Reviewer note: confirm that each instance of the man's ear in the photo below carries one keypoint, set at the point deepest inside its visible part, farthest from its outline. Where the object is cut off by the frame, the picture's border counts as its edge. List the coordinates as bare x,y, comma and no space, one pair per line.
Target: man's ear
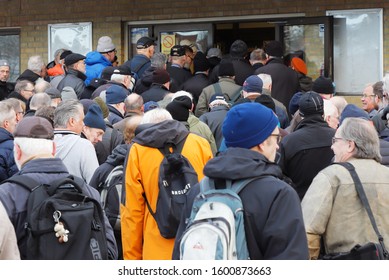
6,124
18,152
351,146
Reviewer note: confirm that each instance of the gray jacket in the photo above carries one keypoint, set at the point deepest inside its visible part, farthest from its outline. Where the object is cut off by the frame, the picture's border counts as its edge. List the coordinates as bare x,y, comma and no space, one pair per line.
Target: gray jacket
14,198
228,87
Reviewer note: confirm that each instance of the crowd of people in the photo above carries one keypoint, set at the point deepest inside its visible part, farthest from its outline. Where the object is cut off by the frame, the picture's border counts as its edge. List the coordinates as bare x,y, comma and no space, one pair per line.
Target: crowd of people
243,114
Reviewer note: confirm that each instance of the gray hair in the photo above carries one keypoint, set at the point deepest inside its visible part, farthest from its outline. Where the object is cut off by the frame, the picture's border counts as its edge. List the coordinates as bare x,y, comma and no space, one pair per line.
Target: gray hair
158,60
22,85
15,103
365,137
258,54
58,53
41,85
65,110
7,112
156,115
39,100
133,102
35,63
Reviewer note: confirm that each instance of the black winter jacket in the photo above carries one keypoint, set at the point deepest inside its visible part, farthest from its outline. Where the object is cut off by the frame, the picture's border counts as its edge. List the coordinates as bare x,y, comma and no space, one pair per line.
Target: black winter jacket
285,82
306,151
271,206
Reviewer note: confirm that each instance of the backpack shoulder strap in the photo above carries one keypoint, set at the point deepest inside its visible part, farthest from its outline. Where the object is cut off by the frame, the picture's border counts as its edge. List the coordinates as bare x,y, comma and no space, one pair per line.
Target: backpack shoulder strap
239,185
236,95
206,184
22,180
217,88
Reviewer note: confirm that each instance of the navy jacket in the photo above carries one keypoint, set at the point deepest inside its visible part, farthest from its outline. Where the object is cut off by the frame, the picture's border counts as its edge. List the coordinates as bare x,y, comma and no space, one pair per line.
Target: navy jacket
7,162
138,64
271,206
114,115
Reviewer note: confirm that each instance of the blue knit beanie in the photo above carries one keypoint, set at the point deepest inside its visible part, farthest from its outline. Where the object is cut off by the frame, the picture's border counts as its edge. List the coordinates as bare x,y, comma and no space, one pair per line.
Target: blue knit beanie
247,125
94,117
115,94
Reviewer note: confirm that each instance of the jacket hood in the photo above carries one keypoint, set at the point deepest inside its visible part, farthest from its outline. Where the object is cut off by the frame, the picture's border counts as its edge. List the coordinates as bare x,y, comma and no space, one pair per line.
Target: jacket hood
239,163
65,140
157,135
118,155
96,58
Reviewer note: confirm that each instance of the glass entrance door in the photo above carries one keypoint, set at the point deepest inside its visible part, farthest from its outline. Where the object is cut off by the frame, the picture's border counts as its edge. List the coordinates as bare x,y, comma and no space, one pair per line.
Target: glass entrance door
310,38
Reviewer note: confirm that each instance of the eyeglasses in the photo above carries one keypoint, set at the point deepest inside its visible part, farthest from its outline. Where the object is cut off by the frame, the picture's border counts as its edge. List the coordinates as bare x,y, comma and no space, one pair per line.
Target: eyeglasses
334,139
278,137
367,95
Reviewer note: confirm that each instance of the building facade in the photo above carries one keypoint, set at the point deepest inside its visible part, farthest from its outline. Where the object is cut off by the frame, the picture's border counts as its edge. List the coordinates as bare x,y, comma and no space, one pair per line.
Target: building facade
345,40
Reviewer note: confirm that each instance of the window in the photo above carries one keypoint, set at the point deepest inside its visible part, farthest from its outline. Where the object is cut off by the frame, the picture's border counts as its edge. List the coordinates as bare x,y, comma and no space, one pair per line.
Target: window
10,51
358,49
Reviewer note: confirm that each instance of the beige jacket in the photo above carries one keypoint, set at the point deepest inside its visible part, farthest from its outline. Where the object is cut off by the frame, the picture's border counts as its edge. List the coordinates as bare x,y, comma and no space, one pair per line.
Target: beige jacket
343,221
8,245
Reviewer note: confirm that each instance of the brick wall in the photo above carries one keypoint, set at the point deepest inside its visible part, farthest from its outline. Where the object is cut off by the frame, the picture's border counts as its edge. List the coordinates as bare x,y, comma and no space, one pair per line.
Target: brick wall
33,16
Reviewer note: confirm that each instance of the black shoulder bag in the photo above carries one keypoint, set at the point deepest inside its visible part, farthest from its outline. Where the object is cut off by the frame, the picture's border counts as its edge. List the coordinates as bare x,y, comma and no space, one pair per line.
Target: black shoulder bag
370,250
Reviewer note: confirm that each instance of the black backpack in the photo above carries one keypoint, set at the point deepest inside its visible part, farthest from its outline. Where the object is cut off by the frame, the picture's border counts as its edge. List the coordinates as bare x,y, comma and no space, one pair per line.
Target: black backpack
62,222
176,177
112,193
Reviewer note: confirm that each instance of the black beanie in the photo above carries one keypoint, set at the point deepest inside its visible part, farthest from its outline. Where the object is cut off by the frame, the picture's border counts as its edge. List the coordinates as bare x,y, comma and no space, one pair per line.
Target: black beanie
200,62
311,103
238,49
160,76
323,85
226,69
179,108
274,48
267,101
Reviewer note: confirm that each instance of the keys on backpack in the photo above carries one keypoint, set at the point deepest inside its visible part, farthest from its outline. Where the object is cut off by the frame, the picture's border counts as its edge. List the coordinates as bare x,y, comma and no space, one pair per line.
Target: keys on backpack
59,228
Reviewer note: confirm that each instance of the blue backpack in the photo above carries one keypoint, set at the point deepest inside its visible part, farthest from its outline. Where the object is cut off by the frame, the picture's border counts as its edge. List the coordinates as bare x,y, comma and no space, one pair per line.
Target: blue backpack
215,230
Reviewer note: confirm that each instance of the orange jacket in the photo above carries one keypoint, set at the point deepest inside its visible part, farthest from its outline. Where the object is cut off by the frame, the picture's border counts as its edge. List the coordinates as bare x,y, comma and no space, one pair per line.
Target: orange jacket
55,71
140,235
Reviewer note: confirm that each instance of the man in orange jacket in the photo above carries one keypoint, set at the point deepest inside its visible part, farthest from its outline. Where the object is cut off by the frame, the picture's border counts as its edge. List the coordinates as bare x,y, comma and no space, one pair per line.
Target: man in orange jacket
140,234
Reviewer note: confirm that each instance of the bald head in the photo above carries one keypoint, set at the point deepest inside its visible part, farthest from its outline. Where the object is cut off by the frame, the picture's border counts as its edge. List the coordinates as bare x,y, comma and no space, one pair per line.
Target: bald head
133,102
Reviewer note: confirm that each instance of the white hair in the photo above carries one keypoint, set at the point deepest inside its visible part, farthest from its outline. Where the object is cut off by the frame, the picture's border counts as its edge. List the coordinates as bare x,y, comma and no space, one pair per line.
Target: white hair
266,80
35,63
156,115
329,108
32,147
182,93
119,78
